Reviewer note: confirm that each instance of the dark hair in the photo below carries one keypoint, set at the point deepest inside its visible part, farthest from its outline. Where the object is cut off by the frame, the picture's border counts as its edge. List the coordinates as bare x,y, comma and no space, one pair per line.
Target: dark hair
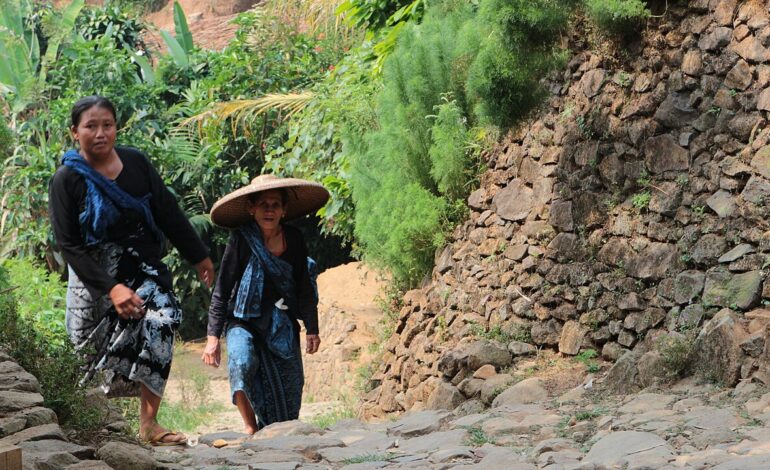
84,104
282,191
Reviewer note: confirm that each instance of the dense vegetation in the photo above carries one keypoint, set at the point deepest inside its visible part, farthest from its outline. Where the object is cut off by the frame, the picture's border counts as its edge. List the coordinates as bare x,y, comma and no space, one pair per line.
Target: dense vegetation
390,109
36,342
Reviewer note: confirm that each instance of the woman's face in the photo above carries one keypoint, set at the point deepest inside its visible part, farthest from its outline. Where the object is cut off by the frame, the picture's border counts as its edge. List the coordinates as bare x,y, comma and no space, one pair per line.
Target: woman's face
95,132
268,209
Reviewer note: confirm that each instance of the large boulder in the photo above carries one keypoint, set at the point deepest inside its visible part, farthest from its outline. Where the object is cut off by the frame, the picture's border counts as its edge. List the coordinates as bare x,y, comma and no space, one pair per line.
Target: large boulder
663,153
515,201
622,378
530,390
718,350
572,335
654,261
125,456
444,397
471,356
738,291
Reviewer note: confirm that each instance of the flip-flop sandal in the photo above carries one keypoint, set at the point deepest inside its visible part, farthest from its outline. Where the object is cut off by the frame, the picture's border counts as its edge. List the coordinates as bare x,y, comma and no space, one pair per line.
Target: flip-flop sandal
157,440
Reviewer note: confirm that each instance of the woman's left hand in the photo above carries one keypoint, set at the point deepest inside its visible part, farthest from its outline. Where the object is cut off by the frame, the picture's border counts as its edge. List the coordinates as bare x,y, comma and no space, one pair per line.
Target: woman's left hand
206,271
313,342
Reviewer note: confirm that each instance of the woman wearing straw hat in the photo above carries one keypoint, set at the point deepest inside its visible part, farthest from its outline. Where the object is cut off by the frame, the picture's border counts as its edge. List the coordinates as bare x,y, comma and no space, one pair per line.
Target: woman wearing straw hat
264,287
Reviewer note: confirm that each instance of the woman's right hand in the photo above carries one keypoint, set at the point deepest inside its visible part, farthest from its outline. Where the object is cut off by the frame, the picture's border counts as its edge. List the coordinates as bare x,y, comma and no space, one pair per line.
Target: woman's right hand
127,303
212,352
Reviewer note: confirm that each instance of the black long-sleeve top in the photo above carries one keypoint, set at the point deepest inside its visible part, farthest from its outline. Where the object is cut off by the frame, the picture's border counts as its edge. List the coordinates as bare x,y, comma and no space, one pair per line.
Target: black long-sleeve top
234,261
67,195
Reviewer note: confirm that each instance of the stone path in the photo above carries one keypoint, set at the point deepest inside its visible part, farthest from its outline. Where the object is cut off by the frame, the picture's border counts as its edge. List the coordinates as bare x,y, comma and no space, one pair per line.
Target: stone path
689,426
686,426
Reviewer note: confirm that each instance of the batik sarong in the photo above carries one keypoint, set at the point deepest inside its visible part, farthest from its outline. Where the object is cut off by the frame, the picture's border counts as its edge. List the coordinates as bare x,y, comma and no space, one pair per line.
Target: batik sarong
273,385
122,353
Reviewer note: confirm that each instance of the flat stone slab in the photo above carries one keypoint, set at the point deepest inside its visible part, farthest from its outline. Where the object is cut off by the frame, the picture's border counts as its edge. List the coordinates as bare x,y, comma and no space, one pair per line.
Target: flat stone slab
469,420
266,457
229,436
11,401
713,418
90,465
624,447
417,424
452,454
736,253
648,402
35,433
125,456
286,428
338,455
57,446
527,391
434,442
754,462
363,439
294,443
365,466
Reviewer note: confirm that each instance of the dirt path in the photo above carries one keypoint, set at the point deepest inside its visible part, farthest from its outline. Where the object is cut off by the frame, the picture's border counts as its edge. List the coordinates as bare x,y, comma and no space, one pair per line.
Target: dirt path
348,316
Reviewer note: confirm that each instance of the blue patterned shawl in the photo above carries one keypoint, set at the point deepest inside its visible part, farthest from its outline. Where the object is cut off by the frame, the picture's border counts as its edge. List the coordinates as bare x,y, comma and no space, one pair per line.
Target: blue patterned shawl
249,298
104,202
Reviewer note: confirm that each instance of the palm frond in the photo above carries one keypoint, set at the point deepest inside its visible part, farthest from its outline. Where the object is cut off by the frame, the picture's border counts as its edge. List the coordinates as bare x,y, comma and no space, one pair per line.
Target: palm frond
244,112
184,144
201,223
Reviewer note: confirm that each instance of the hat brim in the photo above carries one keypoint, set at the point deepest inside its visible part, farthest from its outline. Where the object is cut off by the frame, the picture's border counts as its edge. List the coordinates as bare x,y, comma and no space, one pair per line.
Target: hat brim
305,197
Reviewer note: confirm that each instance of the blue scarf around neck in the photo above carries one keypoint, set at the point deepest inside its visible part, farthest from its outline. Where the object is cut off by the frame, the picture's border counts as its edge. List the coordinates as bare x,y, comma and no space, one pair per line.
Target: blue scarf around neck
104,202
248,301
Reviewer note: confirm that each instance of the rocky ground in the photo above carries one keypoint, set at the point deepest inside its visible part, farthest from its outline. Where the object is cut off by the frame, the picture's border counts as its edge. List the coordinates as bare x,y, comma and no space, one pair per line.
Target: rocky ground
688,425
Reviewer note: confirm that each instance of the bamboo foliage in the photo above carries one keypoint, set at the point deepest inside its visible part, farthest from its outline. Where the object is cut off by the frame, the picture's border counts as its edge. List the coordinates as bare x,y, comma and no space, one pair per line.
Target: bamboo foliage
241,113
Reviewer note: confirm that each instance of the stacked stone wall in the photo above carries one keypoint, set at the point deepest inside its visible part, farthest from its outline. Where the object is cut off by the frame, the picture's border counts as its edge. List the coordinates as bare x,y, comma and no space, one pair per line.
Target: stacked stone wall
634,207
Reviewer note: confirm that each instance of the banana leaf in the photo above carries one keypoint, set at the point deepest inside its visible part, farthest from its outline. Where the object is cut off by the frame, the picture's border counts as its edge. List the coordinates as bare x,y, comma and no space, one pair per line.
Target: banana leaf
175,49
183,34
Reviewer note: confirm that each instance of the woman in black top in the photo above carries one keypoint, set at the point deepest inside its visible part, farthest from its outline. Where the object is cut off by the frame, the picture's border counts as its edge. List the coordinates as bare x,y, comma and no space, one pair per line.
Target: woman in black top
110,211
264,287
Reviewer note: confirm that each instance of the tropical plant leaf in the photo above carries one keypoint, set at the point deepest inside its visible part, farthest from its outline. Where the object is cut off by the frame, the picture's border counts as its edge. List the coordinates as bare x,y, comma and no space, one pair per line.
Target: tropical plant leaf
241,112
183,34
175,49
148,73
201,223
69,16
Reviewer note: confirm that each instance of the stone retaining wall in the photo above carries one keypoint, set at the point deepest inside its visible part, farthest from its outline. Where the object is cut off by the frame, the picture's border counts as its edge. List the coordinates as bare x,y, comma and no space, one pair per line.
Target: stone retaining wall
633,210
26,423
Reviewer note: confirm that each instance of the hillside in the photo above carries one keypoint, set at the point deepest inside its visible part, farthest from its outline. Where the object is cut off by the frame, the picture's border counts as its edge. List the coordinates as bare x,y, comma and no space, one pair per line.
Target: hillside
628,219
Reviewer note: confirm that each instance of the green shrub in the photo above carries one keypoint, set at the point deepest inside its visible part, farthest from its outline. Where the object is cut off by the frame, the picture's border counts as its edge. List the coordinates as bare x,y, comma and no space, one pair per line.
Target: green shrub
41,297
6,140
460,69
55,364
401,226
515,42
450,165
373,14
617,16
401,214
676,351
111,21
641,200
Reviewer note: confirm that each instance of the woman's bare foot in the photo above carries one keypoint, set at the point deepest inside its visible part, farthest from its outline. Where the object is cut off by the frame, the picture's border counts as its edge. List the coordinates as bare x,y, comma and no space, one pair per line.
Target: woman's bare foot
250,430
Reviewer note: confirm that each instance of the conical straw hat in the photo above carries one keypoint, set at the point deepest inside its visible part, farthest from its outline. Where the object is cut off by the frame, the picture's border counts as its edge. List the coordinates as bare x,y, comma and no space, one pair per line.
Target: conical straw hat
305,197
